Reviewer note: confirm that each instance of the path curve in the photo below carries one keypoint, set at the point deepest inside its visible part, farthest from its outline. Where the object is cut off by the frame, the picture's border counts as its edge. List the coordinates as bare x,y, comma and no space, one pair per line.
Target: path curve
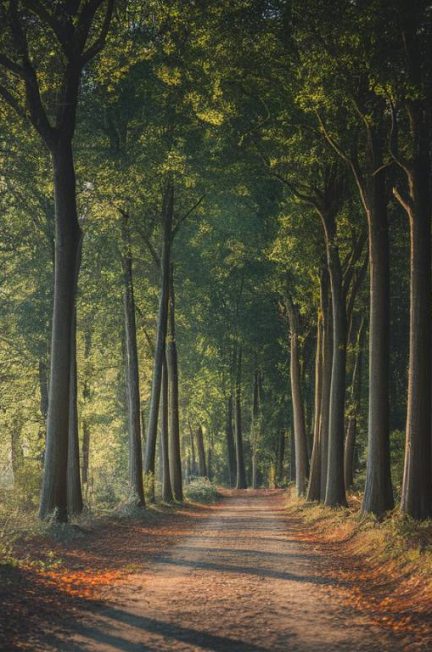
240,582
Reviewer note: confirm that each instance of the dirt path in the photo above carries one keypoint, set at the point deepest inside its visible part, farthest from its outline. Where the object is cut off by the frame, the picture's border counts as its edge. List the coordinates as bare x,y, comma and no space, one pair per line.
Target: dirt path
240,581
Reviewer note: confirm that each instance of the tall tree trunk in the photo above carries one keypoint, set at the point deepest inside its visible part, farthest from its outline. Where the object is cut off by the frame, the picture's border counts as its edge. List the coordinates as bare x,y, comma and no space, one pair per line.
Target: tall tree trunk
335,486
132,372
201,453
172,365
301,457
378,495
292,455
67,242
74,493
327,352
193,455
241,471
43,403
150,451
85,422
230,442
17,453
280,458
255,427
416,498
351,434
167,494
314,489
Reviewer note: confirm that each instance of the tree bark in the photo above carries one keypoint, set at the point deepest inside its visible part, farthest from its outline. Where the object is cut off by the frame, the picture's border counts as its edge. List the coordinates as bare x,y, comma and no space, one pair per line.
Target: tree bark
230,442
416,500
132,372
68,235
378,495
327,352
255,427
201,453
301,457
314,488
335,486
74,493
85,422
17,453
167,494
241,471
351,434
280,458
150,451
174,422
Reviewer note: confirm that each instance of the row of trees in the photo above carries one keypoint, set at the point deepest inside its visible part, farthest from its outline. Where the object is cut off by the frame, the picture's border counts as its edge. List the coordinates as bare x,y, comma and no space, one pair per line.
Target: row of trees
227,177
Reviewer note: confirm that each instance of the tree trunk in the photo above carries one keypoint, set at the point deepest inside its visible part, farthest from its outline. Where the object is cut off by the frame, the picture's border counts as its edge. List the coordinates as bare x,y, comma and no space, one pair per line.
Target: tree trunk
150,451
85,423
74,493
43,388
314,489
335,485
301,457
167,494
201,453
416,498
172,364
255,427
230,442
378,495
280,458
327,352
351,434
194,462
17,454
292,455
67,241
132,373
241,471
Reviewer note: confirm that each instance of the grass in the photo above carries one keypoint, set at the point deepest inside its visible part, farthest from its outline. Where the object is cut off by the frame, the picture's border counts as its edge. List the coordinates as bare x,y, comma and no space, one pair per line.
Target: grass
396,540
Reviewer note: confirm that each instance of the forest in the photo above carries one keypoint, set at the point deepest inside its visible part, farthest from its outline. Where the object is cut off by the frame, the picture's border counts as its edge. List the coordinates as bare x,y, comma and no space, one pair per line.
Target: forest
215,277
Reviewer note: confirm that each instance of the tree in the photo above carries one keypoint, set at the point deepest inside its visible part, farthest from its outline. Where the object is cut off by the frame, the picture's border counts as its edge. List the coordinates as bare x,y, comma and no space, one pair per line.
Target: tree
73,28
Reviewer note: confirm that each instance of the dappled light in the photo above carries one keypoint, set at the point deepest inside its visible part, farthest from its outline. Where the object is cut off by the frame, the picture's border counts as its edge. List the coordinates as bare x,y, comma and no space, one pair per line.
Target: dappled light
215,325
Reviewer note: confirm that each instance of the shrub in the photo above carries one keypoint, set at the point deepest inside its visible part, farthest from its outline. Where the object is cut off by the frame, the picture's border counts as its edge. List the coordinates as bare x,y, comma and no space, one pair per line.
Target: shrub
201,490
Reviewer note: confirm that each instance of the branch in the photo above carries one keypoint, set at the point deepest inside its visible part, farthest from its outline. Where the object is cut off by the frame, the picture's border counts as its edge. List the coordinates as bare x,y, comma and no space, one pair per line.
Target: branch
99,43
38,115
150,246
10,99
12,66
185,216
394,150
404,200
49,19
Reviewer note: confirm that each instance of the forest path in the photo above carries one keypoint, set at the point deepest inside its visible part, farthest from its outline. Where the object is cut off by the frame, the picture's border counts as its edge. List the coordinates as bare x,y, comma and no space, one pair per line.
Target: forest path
241,581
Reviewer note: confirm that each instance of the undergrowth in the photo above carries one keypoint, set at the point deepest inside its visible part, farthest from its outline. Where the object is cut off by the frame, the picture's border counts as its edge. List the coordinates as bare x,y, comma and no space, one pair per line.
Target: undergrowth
201,490
395,537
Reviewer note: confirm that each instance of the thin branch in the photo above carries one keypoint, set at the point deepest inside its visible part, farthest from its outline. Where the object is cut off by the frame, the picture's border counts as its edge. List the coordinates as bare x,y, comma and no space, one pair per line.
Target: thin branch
404,200
14,67
11,100
150,246
185,216
394,150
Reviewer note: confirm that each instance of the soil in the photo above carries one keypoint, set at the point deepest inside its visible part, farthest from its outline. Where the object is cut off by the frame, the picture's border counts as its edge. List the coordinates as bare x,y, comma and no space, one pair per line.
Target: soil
238,575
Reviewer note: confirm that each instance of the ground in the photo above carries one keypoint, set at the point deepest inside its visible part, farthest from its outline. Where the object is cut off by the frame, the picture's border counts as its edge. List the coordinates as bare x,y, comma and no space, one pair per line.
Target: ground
243,574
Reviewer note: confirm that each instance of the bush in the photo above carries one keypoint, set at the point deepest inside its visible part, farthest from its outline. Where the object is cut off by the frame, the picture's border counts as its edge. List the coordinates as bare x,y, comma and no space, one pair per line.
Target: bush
201,490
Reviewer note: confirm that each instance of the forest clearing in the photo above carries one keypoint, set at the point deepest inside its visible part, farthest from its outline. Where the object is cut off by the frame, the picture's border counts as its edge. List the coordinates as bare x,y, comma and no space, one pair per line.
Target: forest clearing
215,324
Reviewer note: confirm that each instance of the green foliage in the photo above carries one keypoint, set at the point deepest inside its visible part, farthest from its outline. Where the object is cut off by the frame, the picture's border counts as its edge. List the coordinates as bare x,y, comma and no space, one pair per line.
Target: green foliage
201,490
